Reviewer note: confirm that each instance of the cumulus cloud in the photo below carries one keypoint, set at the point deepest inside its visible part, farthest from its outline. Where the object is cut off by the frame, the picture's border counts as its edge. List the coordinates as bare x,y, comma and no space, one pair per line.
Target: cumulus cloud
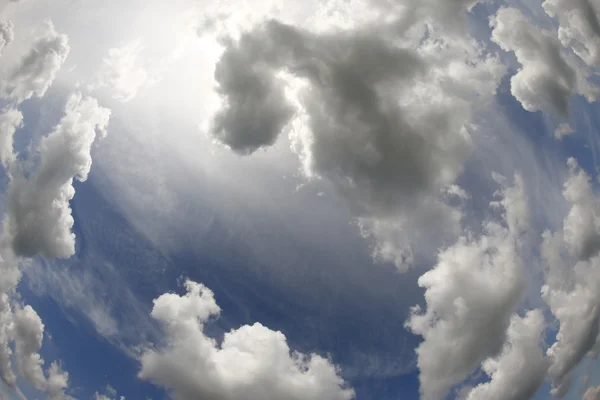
387,125
6,34
38,221
38,214
22,327
581,226
252,362
98,396
37,69
592,393
121,73
37,199
572,287
579,27
563,130
110,394
471,295
520,369
6,332
29,334
10,120
548,77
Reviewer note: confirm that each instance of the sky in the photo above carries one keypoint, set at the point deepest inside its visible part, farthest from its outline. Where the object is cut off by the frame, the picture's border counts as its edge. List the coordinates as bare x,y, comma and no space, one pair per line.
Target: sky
299,200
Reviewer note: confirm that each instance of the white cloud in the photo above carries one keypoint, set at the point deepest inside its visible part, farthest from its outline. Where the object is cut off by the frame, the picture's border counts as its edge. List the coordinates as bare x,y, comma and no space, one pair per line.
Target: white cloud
121,73
579,27
29,333
572,287
520,369
22,327
563,130
471,295
37,69
110,394
38,214
581,229
252,362
38,221
10,120
6,333
548,77
98,396
6,34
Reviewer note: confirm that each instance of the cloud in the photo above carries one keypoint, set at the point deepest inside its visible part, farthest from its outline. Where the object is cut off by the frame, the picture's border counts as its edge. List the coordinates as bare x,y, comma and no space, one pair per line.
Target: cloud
10,120
386,125
252,362
548,77
4,3
471,295
121,73
572,287
38,214
6,34
22,327
592,393
110,394
579,27
563,130
28,336
38,221
37,199
581,226
521,368
37,69
6,332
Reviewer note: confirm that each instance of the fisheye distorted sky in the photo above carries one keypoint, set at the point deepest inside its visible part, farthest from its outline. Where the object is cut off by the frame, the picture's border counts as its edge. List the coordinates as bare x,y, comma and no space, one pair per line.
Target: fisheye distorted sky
300,200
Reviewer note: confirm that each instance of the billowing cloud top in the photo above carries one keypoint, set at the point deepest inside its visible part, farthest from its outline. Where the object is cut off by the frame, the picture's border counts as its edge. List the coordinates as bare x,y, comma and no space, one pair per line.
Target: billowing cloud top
252,362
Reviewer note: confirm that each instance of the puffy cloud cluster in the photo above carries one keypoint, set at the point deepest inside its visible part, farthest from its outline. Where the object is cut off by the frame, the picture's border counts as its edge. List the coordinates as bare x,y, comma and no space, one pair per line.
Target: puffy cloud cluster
110,394
37,215
38,221
10,120
37,69
39,218
548,76
252,362
579,27
32,77
471,296
22,327
387,124
6,34
521,367
592,393
572,287
121,73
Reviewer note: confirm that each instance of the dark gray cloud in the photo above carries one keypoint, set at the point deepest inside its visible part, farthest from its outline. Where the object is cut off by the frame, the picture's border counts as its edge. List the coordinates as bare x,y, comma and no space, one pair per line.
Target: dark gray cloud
385,124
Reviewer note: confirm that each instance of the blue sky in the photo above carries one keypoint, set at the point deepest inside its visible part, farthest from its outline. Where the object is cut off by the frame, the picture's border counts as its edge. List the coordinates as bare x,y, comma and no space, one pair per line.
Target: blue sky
290,200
